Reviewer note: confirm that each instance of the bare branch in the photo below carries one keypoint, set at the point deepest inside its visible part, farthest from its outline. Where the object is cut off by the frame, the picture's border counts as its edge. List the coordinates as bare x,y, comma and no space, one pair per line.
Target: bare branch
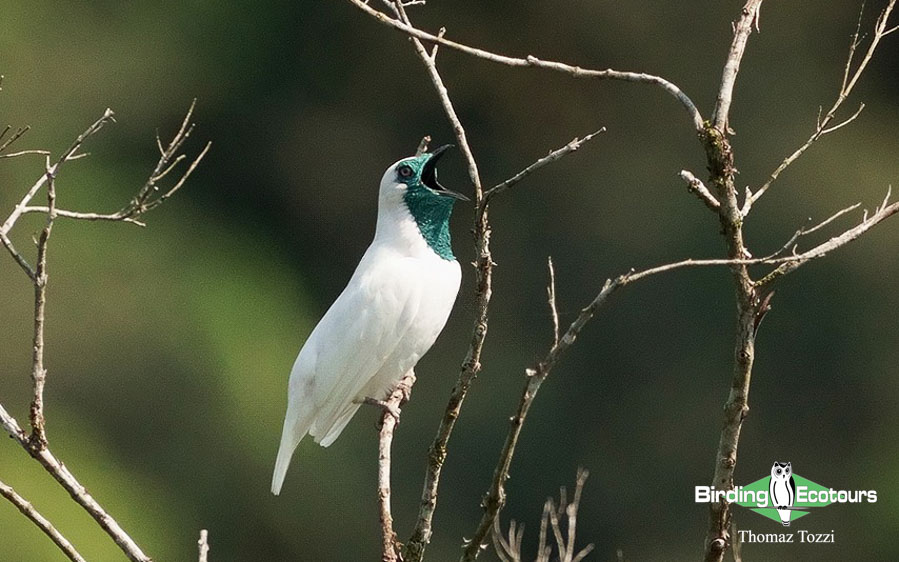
551,297
78,492
557,154
404,26
203,546
54,170
113,217
24,152
423,145
720,163
143,201
804,231
791,263
23,263
697,188
42,522
390,548
36,443
495,498
38,371
190,169
850,79
845,122
742,30
553,515
15,136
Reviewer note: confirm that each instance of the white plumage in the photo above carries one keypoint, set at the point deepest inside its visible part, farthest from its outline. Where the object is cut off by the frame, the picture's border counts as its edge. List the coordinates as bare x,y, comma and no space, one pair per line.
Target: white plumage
388,316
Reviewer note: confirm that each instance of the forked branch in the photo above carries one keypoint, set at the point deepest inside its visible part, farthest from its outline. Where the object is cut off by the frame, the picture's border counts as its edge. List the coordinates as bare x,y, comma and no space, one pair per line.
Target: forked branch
78,492
850,79
151,194
403,25
561,519
148,197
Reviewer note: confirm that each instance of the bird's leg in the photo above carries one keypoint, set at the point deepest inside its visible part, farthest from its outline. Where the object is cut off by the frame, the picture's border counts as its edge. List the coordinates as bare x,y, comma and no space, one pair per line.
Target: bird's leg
397,397
384,405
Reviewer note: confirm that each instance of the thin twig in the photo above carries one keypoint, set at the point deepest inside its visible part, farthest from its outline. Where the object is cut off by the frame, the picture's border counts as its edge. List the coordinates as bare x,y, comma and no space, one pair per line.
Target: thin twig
850,79
54,170
572,146
203,546
42,522
423,145
64,213
791,263
24,152
805,231
534,62
509,549
15,136
143,201
551,299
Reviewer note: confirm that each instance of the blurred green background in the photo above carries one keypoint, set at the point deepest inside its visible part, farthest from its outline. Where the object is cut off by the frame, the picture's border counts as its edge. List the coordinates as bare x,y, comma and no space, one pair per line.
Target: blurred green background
169,347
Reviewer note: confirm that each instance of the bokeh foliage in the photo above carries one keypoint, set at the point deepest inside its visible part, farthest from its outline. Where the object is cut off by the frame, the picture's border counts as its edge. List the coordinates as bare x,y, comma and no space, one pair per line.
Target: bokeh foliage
169,347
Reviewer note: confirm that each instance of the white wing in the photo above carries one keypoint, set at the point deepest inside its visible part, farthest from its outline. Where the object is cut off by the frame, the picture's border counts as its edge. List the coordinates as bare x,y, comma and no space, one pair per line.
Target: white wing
347,349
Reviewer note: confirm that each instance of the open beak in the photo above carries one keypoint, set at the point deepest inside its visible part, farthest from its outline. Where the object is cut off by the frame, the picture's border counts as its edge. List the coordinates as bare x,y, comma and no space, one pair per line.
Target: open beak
429,174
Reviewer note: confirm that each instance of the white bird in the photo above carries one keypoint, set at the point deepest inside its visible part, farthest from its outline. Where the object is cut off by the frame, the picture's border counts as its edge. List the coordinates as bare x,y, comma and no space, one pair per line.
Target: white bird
390,313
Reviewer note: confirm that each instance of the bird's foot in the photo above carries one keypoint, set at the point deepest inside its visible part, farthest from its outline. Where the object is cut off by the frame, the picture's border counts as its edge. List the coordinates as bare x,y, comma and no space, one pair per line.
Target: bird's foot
404,387
384,406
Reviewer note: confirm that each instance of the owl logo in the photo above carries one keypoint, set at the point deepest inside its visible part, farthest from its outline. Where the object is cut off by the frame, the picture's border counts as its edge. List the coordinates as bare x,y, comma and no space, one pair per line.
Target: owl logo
783,490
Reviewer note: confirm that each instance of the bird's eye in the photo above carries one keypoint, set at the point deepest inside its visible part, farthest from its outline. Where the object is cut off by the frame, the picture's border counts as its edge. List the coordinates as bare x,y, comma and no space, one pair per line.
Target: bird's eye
405,171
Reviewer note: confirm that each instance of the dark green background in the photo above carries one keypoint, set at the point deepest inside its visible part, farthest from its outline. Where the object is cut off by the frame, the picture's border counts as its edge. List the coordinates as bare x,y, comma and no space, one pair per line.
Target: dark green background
169,347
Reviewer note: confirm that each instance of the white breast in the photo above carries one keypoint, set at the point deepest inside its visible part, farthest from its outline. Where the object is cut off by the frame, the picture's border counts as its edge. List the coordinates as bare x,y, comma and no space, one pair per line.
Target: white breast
386,319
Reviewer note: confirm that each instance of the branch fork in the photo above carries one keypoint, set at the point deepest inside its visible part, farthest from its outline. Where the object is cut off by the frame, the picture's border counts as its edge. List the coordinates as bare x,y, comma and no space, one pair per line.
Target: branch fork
36,443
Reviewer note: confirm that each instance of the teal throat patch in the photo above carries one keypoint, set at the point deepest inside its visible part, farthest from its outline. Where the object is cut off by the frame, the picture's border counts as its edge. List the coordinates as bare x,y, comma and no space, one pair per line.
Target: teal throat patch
432,214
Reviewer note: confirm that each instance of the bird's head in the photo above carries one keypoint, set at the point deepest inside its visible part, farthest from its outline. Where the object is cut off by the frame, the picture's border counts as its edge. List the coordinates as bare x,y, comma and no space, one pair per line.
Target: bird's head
418,174
411,185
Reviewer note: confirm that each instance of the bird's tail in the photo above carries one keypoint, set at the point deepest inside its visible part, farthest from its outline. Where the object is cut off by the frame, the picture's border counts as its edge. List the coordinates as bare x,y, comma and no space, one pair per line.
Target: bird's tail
296,426
300,422
284,455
